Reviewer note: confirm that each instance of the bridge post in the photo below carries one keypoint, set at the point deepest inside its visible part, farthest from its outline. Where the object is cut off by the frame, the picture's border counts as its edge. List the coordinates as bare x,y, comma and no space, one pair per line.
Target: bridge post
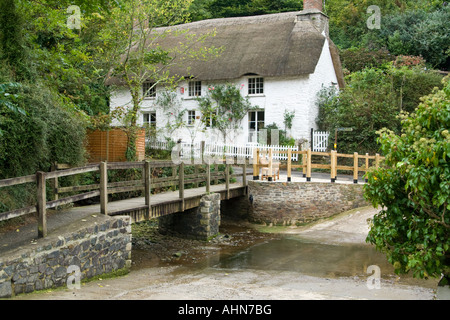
148,188
255,164
244,173
181,184
104,188
41,204
227,179
289,169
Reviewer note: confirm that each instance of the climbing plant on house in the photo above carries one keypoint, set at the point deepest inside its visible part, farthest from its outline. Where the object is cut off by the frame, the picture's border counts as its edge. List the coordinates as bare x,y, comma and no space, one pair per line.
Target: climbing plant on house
223,108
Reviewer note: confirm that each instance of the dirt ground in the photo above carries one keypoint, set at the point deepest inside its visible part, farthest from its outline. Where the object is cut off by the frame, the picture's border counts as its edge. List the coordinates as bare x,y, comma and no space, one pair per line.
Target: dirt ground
170,268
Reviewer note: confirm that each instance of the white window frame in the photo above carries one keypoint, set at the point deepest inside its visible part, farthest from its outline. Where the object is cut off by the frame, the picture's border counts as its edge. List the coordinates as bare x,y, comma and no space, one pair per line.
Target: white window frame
194,89
149,90
151,122
191,114
255,86
256,122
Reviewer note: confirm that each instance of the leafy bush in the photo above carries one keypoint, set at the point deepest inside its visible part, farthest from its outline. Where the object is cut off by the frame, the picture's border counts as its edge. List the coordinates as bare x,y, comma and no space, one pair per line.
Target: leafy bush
413,190
49,131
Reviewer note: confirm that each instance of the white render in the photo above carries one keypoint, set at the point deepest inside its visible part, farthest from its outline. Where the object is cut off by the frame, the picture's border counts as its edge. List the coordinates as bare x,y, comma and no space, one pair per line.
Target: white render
292,94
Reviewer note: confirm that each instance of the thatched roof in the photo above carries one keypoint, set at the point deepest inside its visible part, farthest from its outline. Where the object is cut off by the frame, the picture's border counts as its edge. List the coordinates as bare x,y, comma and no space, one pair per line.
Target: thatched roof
267,45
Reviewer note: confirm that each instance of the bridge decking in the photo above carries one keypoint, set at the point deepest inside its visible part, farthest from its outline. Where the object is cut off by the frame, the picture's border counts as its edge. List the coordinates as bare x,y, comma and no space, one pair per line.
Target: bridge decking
162,203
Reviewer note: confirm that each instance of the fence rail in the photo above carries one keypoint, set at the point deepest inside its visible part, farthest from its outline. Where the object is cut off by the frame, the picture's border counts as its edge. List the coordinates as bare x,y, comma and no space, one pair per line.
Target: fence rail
147,183
307,165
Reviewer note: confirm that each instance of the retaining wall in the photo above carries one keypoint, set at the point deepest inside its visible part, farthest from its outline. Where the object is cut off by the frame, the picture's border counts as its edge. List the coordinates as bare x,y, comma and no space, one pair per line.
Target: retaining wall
100,245
301,202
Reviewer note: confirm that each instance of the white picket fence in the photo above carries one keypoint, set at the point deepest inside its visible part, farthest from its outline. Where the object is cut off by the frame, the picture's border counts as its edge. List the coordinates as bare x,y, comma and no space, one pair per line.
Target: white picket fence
217,150
320,141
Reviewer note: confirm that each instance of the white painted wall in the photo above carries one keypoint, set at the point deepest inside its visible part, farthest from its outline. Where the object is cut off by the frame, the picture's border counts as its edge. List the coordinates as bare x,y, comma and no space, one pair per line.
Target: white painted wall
292,94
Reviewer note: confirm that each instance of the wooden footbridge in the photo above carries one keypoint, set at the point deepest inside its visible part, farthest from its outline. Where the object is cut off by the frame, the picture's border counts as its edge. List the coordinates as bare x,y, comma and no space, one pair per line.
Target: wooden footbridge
162,183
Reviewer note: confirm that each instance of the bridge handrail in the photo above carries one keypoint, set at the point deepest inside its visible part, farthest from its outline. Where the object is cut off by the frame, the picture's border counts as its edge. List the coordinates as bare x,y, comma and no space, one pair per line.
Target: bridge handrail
104,188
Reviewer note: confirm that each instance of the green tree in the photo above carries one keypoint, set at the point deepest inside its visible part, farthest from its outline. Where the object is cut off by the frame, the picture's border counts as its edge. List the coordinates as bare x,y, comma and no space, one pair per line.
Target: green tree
417,33
371,101
131,44
11,37
413,190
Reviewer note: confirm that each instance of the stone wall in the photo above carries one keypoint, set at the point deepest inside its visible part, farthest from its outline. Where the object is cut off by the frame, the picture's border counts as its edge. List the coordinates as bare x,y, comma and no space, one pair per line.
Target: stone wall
199,223
301,202
101,245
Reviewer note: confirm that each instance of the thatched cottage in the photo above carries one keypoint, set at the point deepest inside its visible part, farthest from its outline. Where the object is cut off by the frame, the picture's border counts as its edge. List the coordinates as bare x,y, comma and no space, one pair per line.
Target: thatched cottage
280,60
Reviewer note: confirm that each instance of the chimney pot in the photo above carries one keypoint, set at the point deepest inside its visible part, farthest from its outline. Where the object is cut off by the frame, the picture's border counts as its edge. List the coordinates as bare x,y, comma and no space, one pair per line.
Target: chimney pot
312,4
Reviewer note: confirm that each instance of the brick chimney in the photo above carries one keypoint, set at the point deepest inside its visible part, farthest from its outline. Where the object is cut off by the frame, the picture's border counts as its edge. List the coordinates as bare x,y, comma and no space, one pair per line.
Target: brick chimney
313,4
312,14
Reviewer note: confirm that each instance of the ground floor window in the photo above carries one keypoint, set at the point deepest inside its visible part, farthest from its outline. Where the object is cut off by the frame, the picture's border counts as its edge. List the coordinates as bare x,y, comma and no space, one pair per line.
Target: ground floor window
255,124
191,117
150,119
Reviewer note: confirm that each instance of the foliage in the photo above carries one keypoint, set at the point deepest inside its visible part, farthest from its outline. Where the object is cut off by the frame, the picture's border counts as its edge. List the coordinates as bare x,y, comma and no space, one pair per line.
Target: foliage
356,59
417,33
131,45
50,131
366,105
413,190
11,37
224,107
206,9
371,101
288,117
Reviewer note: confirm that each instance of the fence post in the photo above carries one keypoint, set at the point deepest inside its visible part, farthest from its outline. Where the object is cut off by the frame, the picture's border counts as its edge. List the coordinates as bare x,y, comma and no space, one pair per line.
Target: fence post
355,167
181,185
333,166
41,204
255,164
104,188
304,163
289,165
55,182
244,173
308,165
148,188
208,177
367,167
377,160
270,174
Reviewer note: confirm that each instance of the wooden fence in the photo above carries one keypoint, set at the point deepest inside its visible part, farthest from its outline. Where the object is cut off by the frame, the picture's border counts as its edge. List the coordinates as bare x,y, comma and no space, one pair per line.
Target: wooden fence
148,182
306,164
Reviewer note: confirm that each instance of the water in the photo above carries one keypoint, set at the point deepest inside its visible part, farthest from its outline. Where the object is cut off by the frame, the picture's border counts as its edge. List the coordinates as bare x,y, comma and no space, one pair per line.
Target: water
310,258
